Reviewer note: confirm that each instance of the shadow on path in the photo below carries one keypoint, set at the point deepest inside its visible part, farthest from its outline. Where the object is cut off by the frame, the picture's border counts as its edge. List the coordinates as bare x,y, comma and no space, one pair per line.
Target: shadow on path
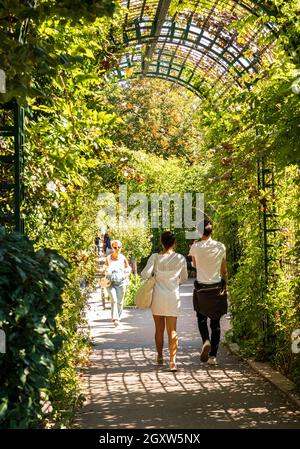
125,389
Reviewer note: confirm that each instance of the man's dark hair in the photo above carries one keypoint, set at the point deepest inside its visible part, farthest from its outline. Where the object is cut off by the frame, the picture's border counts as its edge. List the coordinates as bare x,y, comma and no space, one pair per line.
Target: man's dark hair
207,228
167,239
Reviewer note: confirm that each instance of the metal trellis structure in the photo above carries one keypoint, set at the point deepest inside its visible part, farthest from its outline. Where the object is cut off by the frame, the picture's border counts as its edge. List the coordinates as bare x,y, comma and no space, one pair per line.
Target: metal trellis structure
11,152
11,159
196,45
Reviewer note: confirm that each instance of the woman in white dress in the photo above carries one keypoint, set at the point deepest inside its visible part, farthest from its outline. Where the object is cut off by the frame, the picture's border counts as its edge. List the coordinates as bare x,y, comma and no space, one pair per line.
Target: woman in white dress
169,269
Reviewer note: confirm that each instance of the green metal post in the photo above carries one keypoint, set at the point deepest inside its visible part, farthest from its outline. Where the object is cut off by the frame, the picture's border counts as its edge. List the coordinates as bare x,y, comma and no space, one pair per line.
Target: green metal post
11,160
19,144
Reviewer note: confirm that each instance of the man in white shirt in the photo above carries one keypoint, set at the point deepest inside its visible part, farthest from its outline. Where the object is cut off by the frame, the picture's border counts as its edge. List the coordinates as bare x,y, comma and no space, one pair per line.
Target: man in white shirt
209,259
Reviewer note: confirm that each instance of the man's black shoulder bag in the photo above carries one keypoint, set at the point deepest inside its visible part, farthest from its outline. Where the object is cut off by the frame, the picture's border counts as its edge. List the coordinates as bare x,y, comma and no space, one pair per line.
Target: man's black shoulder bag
210,299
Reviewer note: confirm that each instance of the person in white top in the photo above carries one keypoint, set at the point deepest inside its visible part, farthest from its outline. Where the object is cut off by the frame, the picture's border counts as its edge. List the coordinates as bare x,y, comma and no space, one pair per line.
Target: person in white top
117,271
209,259
169,269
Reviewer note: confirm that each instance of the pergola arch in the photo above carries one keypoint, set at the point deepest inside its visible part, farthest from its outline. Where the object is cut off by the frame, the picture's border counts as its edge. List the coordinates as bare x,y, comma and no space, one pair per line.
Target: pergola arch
195,42
169,79
179,64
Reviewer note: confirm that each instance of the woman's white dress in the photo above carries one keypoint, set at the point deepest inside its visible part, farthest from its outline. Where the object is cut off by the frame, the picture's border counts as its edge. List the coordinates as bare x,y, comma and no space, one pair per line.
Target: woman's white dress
170,270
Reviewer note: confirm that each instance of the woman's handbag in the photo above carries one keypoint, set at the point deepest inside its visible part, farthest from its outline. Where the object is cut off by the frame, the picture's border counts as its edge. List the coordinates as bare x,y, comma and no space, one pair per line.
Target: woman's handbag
144,294
116,277
210,300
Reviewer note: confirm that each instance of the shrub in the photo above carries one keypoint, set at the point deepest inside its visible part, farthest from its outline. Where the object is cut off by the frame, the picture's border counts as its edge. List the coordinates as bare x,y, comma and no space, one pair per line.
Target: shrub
31,285
135,282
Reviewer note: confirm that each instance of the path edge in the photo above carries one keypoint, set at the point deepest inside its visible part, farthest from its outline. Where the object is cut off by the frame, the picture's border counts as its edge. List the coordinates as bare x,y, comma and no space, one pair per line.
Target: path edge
265,370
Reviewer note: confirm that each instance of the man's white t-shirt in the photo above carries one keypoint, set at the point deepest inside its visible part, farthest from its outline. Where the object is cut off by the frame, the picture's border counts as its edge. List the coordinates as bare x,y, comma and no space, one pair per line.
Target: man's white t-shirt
208,255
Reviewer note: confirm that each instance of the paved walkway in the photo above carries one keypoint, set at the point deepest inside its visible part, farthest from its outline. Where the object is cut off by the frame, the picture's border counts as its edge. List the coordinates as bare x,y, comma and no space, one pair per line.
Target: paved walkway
125,389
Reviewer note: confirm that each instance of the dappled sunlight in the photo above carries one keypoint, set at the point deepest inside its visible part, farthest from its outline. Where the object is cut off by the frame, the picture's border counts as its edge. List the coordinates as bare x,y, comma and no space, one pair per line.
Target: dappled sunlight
125,387
203,398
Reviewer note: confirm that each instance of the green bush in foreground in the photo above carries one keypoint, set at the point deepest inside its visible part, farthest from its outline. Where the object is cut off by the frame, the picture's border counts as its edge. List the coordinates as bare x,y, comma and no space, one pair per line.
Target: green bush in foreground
31,285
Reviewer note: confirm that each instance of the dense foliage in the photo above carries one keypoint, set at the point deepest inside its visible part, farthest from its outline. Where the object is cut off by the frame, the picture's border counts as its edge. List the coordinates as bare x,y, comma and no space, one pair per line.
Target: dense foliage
31,284
60,201
160,117
41,51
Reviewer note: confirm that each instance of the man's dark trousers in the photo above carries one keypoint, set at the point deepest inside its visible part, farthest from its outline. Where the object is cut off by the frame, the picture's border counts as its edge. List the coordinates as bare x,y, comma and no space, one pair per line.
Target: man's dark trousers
215,332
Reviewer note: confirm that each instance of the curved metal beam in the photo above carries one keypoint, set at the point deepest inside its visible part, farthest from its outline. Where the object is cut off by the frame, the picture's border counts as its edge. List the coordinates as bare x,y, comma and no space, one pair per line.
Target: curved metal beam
160,17
171,79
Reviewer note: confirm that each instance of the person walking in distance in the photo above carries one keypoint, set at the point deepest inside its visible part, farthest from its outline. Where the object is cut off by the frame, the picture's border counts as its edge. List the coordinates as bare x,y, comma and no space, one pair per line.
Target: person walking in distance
210,299
107,248
117,272
169,269
97,242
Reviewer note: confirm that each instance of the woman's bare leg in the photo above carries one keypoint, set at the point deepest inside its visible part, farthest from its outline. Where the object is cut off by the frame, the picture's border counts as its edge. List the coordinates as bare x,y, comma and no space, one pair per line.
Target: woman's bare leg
171,322
159,334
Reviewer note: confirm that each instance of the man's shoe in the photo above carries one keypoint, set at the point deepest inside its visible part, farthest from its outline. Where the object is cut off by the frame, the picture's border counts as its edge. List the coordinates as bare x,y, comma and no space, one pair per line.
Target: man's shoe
205,351
212,361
